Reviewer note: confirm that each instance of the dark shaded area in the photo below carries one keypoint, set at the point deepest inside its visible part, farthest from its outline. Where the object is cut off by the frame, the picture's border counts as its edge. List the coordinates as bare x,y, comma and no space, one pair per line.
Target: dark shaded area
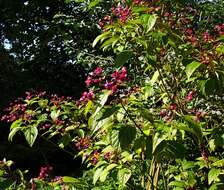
41,154
39,44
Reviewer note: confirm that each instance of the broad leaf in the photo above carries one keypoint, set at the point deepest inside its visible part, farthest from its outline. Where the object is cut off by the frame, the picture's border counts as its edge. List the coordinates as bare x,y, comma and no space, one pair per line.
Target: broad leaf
14,128
30,134
126,136
123,176
191,68
213,175
55,114
180,184
97,174
123,57
13,132
105,172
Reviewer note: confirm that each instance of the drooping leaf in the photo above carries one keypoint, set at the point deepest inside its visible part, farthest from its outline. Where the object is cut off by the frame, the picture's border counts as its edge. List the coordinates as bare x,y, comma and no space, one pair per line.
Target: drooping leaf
105,172
97,174
101,38
13,132
195,128
30,134
109,42
14,128
149,146
191,68
217,186
107,112
123,176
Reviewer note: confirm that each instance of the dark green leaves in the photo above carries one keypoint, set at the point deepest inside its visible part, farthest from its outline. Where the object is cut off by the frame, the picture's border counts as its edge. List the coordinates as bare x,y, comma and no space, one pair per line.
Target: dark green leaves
122,58
126,136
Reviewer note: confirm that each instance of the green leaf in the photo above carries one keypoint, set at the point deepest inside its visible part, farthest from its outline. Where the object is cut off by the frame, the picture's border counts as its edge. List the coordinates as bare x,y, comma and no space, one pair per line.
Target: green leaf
192,127
139,143
212,144
149,147
177,184
154,78
145,113
105,172
16,124
123,176
109,111
14,128
149,20
168,149
122,58
114,139
126,136
109,42
103,97
101,37
191,68
220,49
30,134
43,103
105,123
217,186
55,114
13,132
88,107
140,9
67,179
219,163
94,4
213,175
97,174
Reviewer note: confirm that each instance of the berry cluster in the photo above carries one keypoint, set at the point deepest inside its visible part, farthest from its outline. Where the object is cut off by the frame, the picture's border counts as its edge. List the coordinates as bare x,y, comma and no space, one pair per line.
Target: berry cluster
44,172
15,111
190,96
98,78
105,21
137,2
94,158
107,156
86,96
94,77
219,28
83,143
122,12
